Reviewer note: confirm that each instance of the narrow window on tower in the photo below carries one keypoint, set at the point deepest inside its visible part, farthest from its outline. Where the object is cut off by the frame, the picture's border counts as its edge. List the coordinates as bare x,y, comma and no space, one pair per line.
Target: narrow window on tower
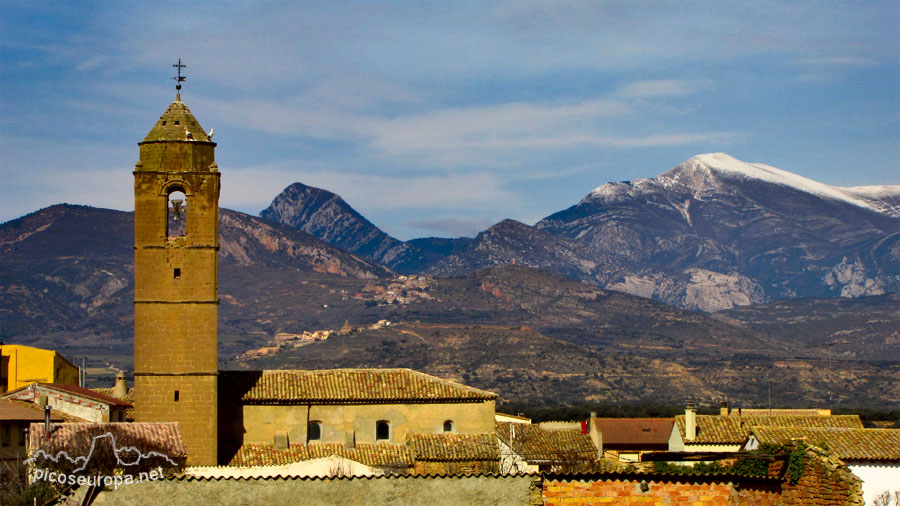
176,219
176,395
177,273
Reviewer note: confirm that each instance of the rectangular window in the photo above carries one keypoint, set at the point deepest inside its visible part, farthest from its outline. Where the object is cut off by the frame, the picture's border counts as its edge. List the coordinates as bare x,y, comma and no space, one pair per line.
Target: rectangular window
382,430
314,431
177,273
176,395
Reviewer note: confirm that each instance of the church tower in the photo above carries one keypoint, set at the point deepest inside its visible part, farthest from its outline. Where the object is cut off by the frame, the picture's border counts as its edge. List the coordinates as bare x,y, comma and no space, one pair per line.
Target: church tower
176,207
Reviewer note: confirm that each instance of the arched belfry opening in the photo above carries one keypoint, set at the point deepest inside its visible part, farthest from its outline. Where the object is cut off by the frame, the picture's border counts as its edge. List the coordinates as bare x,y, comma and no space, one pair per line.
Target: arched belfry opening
176,216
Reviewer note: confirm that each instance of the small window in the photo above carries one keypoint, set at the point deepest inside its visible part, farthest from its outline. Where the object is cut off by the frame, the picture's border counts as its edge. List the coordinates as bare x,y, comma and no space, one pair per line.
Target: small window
177,273
382,430
176,395
163,123
177,122
314,431
448,425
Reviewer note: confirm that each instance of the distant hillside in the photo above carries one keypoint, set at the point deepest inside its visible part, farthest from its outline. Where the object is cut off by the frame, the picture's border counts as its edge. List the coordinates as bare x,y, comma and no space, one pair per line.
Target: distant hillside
71,268
65,283
866,328
527,367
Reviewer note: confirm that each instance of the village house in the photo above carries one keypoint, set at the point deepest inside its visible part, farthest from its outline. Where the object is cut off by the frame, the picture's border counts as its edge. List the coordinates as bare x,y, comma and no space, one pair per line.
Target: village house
74,401
22,365
729,431
378,417
530,448
628,439
15,417
871,454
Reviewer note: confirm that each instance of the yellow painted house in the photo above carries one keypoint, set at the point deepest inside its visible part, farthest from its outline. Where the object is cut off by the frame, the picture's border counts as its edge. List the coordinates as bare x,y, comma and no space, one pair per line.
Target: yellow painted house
23,365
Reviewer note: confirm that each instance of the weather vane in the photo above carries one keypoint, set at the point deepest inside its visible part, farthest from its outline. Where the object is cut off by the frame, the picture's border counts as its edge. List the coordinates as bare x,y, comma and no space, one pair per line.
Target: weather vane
179,78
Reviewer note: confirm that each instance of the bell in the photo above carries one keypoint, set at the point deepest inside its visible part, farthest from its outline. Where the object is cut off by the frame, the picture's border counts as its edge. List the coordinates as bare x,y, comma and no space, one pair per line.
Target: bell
176,209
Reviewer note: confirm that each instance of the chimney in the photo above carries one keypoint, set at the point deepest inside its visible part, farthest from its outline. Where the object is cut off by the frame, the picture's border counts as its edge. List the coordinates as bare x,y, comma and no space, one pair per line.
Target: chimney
690,422
723,408
596,435
121,388
46,420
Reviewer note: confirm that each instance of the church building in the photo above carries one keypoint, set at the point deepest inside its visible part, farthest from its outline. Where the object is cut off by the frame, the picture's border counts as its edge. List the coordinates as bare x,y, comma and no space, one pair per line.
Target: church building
279,414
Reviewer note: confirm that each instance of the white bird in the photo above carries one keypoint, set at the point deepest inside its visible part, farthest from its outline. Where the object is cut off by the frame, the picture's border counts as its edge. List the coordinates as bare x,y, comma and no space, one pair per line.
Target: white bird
188,134
211,132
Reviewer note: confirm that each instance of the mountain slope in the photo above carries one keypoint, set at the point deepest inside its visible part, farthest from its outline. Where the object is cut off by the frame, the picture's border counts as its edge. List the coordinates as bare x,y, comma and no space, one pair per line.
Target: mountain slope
63,267
728,233
327,216
711,234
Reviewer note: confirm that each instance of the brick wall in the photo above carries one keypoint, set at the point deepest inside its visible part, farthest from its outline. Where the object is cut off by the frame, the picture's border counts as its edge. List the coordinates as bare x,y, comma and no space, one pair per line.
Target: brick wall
825,481
659,492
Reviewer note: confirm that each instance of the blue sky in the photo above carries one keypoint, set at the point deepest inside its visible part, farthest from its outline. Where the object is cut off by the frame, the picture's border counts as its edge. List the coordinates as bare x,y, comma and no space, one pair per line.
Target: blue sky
442,118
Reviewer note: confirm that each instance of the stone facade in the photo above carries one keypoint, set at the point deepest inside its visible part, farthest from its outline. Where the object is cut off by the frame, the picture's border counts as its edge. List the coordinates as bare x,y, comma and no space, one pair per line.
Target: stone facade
176,290
348,423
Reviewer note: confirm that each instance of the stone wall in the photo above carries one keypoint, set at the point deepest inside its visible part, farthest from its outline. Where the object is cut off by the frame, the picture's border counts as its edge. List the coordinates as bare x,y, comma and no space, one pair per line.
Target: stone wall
824,482
345,423
387,491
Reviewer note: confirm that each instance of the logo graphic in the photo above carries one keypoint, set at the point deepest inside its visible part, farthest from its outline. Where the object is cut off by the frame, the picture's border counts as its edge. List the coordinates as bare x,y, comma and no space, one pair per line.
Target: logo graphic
126,456
87,458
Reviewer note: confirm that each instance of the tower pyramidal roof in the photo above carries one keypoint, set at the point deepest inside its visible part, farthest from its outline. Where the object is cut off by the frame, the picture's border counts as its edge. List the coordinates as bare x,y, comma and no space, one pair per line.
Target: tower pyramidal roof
177,124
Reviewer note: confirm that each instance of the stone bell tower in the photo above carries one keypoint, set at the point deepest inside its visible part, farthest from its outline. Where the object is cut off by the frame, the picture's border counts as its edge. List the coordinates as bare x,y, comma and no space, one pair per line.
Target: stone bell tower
176,199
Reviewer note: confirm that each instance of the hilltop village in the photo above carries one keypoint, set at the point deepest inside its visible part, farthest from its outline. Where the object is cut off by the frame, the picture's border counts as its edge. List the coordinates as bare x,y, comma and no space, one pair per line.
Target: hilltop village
188,433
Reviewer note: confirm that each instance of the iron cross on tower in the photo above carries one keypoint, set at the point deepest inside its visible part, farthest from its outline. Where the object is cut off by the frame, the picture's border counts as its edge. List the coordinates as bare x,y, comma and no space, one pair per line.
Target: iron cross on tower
179,78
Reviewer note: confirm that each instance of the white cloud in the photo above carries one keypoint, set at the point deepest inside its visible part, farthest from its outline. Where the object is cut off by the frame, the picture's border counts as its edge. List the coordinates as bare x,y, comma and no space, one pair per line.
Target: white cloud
255,187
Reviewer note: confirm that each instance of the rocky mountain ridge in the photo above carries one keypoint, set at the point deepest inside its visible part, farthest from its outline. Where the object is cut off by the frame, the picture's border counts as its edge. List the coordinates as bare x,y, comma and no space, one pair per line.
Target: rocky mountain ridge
710,234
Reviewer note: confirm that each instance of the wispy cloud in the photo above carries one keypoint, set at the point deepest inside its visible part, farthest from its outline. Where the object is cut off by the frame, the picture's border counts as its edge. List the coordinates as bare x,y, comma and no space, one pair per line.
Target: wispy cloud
255,187
451,226
850,61
665,88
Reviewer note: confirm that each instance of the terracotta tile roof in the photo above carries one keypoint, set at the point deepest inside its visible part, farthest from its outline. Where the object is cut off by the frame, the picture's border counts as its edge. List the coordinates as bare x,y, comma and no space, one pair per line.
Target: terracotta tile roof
165,437
85,392
535,444
781,412
717,429
350,386
453,447
129,398
846,444
370,454
11,410
635,432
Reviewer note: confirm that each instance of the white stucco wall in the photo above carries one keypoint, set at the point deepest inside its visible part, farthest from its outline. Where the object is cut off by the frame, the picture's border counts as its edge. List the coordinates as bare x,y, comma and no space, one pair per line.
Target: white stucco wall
876,477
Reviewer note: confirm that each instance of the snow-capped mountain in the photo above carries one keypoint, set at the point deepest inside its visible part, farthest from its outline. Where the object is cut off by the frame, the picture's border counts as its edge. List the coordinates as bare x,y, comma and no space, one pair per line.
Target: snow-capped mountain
710,234
714,233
